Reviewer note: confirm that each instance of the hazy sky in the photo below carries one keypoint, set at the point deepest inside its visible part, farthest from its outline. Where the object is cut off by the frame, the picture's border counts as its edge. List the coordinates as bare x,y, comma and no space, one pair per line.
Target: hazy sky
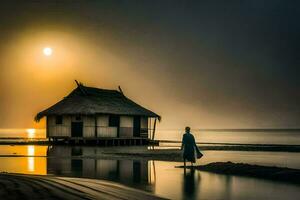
208,64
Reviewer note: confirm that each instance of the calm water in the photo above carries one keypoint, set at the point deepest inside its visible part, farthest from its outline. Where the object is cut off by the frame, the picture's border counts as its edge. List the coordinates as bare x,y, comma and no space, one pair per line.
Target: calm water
237,137
254,137
158,177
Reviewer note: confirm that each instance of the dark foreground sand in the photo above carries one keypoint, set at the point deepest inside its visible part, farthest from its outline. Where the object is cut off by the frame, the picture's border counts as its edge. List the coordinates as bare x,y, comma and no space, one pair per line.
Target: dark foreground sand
282,174
15,186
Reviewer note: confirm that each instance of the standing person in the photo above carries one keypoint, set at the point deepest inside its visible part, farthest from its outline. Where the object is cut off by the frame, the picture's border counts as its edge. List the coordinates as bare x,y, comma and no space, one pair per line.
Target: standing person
189,147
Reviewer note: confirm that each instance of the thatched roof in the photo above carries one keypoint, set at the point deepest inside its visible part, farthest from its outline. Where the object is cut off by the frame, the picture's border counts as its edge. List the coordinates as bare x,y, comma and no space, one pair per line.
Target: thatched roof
89,101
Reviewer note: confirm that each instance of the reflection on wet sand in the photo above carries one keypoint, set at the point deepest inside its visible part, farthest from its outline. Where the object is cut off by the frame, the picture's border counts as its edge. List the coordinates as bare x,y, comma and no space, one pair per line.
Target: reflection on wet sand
191,182
30,153
159,177
69,162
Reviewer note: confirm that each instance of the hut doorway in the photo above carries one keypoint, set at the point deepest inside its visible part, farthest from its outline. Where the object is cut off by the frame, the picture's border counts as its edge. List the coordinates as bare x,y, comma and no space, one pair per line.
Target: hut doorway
136,126
77,129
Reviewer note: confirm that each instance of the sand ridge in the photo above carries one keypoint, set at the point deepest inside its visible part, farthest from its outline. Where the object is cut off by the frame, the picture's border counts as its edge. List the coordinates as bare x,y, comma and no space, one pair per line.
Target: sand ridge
18,186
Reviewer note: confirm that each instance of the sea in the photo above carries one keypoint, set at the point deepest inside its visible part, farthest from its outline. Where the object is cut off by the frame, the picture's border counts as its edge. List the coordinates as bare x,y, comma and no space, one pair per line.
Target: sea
254,136
161,177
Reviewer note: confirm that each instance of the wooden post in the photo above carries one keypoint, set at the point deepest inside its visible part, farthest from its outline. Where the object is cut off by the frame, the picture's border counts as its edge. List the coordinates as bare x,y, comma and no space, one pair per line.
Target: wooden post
47,127
149,128
154,127
120,90
96,125
81,88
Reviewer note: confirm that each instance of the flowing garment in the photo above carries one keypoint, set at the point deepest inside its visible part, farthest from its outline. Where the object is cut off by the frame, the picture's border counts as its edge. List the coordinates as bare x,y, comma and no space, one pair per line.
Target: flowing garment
190,149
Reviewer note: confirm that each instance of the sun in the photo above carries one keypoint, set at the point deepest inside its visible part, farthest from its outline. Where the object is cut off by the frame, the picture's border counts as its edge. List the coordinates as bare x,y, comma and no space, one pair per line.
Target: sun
47,51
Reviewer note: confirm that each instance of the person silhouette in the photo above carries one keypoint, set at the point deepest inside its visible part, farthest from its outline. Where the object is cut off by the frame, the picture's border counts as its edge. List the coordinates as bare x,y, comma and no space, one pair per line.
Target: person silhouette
189,147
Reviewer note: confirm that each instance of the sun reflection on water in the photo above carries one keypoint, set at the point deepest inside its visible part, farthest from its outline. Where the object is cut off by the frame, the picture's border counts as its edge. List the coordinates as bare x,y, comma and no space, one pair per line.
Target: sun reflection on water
30,153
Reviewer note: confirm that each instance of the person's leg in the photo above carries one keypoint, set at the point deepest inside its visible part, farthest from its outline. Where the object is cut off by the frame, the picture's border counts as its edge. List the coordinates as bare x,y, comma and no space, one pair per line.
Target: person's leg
184,163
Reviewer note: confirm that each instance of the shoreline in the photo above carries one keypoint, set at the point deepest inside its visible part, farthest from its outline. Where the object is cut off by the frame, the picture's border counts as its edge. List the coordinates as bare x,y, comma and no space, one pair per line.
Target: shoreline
21,186
202,146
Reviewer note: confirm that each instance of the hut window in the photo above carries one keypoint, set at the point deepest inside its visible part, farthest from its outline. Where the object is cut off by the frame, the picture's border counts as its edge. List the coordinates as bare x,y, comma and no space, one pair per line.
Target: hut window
58,119
114,121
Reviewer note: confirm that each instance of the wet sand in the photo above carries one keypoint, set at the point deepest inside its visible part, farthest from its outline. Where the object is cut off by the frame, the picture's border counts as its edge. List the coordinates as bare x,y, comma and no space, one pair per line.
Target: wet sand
141,153
282,174
16,186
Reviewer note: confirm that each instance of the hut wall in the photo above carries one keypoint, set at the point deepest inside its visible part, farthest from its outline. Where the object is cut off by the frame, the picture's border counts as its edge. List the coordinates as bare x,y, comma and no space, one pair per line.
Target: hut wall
144,127
59,130
126,126
103,129
107,131
102,120
88,126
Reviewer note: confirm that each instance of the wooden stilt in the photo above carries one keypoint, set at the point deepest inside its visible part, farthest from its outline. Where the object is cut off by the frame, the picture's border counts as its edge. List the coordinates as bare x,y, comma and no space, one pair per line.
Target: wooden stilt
154,127
149,129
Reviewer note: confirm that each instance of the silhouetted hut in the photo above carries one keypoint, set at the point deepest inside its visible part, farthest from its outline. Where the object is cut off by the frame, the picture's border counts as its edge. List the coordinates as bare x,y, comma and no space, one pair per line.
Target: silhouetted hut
89,112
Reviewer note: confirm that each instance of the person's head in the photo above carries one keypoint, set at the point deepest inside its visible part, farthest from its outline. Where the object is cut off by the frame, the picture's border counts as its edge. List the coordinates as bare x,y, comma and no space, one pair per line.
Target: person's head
187,129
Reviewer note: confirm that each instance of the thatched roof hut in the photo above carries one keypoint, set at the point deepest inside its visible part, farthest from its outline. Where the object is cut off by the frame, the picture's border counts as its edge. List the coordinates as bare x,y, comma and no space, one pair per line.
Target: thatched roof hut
90,101
89,111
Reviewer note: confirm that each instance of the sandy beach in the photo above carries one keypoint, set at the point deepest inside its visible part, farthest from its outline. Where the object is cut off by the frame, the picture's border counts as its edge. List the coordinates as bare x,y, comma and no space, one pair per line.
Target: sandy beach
17,186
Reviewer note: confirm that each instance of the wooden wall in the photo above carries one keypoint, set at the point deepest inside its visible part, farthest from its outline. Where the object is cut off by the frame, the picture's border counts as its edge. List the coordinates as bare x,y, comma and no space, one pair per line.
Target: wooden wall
102,120
103,130
59,130
64,129
89,123
126,126
107,132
